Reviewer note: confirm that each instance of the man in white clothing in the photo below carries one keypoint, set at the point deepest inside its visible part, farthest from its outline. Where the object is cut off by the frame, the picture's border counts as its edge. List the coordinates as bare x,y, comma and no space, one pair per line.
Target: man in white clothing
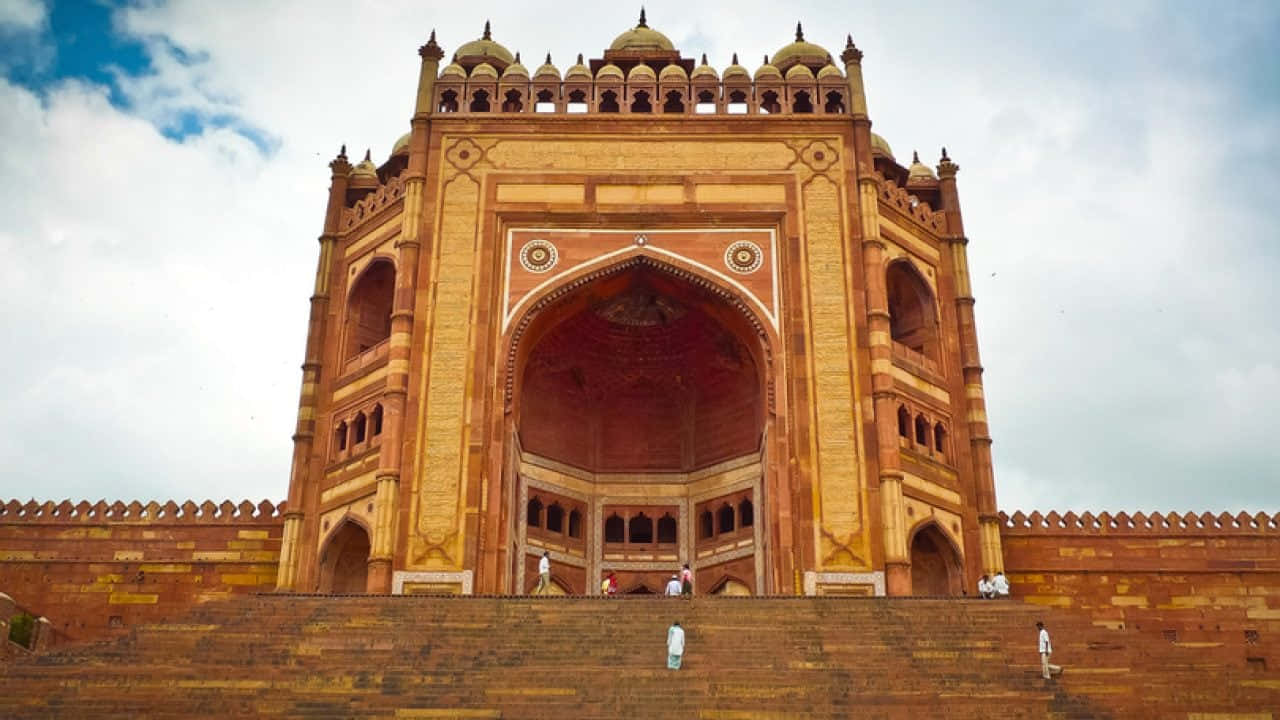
984,588
675,646
673,586
1046,649
1000,585
544,574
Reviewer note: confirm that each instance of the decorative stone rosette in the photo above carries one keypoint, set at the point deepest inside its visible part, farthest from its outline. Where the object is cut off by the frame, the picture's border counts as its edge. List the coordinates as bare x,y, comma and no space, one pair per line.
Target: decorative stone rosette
538,256
744,257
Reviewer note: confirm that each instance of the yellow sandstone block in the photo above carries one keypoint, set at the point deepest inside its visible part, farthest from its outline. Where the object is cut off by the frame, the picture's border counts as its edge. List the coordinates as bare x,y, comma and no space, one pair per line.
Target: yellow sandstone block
444,713
244,545
1129,600
247,579
1238,716
233,684
208,555
165,568
127,598
539,691
1049,600
128,555
17,554
252,534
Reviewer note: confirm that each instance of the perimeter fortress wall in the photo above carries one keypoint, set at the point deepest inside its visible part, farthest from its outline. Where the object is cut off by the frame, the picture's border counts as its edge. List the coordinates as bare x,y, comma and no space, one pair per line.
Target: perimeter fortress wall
95,570
1192,577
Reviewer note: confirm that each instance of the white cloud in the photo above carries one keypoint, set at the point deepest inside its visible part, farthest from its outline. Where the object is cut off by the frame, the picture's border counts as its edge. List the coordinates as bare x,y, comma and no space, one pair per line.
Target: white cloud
158,289
23,14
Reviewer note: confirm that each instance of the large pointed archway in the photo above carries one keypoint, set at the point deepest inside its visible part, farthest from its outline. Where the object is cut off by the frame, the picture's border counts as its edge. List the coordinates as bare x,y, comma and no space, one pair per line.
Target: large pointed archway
634,388
935,563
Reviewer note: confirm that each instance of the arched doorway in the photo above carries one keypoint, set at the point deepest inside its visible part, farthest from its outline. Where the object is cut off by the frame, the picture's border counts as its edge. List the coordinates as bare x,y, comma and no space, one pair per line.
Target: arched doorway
344,564
913,321
935,565
632,382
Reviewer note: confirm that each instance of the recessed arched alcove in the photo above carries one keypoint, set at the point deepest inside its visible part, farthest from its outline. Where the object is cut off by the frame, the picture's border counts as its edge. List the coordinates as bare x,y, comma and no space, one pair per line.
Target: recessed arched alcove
935,564
641,371
344,564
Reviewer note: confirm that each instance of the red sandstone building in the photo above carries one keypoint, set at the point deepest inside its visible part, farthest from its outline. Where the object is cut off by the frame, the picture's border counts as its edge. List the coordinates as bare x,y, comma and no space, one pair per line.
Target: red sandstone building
636,313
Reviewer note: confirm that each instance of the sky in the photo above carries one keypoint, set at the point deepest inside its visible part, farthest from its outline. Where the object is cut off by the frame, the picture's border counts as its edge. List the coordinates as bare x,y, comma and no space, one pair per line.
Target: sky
163,176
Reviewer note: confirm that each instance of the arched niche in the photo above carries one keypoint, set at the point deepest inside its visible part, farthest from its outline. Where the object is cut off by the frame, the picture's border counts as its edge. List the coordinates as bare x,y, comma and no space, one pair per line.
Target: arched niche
344,562
913,316
368,316
935,563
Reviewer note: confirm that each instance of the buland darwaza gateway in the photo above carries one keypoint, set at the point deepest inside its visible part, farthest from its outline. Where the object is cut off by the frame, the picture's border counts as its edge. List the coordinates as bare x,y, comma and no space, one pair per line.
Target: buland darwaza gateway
635,314
641,313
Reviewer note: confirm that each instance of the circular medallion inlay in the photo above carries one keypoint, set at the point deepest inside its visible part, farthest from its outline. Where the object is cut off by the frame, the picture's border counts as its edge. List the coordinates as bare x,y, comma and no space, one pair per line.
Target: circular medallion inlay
538,256
744,257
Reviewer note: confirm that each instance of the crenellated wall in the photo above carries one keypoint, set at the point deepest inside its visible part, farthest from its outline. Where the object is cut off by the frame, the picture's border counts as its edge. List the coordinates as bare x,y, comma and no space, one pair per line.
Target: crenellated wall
1190,576
95,569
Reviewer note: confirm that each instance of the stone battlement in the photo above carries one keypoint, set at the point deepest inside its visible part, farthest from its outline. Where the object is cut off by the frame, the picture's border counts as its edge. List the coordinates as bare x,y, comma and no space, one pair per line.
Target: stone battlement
1158,523
188,512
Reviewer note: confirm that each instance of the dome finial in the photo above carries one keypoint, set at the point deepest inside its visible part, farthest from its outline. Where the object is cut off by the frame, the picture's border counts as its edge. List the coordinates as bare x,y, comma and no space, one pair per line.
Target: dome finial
642,24
342,151
517,57
735,58
704,58
486,31
548,62
579,58
944,155
799,33
915,156
368,155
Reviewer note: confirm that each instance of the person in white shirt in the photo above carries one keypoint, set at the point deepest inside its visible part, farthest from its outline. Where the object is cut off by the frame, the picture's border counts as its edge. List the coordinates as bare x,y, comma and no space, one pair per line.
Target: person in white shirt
985,589
673,586
544,574
1046,649
1000,585
675,646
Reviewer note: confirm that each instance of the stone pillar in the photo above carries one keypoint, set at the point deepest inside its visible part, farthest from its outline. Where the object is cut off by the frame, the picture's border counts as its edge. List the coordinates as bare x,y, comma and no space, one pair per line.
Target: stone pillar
7,608
976,406
43,635
892,508
387,500
304,435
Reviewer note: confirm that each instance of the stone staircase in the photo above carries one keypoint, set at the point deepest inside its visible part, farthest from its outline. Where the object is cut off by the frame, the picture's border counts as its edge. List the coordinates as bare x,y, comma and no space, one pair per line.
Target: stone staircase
747,659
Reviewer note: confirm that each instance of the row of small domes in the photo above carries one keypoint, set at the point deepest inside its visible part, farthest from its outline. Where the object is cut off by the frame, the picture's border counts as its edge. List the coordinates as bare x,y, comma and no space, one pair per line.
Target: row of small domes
640,71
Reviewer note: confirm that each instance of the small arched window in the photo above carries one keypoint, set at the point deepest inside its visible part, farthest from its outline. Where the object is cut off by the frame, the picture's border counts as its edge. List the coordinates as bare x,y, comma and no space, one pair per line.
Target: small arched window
369,307
922,431
534,512
577,102
480,101
835,103
609,101
555,518
375,421
746,513
640,530
803,103
614,529
546,101
674,103
706,525
769,104
904,422
641,104
939,438
666,529
358,427
724,518
340,436
575,524
512,102
448,102
706,104
737,103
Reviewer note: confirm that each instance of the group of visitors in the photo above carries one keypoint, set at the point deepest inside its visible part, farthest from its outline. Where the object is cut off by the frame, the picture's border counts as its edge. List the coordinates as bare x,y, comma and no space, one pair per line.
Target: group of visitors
680,584
993,587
